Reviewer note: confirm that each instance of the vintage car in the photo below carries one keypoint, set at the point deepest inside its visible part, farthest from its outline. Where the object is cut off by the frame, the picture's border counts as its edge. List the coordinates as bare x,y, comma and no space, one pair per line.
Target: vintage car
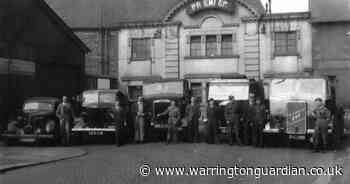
158,96
291,105
36,121
97,118
241,89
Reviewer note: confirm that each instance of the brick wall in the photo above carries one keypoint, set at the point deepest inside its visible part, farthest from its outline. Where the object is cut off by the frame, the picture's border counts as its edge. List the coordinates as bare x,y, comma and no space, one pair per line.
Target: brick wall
103,58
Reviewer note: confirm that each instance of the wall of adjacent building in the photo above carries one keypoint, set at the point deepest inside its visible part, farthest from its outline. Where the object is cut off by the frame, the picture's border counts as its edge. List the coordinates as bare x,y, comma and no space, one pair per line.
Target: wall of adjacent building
289,64
331,57
102,61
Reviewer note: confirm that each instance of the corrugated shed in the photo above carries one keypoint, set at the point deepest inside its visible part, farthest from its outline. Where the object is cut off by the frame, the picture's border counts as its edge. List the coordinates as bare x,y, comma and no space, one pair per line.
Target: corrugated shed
97,13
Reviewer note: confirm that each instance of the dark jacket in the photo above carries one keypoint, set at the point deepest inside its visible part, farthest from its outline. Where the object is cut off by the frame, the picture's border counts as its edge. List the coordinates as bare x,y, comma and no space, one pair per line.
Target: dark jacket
212,113
259,113
119,117
232,111
193,112
249,113
65,111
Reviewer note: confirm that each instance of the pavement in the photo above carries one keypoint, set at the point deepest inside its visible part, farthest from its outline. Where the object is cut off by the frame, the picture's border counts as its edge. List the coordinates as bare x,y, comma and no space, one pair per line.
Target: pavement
108,164
18,157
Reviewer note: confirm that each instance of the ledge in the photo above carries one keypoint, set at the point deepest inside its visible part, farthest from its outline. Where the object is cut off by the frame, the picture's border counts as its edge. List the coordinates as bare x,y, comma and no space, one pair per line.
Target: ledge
284,75
211,57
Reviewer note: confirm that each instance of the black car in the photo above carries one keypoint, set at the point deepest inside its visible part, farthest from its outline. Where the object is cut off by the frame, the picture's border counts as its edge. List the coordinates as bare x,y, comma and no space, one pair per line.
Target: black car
36,121
97,122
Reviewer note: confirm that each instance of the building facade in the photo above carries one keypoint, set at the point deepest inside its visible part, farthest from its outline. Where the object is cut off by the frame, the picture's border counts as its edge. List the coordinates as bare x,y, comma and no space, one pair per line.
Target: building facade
193,40
204,40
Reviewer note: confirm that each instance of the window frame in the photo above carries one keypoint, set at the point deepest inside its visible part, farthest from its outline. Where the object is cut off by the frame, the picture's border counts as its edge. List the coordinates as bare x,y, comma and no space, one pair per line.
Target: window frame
197,50
203,50
283,48
143,58
208,50
230,43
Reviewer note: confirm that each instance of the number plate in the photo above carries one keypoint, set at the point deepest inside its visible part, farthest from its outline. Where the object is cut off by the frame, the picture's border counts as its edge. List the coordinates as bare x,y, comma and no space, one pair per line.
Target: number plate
297,137
96,133
27,140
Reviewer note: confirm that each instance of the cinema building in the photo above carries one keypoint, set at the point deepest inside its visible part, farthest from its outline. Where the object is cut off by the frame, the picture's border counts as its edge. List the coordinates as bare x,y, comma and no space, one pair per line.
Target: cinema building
204,40
193,40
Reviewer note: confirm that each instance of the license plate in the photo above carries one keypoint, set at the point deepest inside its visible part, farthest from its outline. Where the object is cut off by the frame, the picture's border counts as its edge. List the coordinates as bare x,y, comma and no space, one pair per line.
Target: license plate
297,137
27,140
96,133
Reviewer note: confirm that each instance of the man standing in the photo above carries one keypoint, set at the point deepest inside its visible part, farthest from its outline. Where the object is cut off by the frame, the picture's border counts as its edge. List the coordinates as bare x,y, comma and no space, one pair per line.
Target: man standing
322,115
232,120
193,114
258,124
119,119
174,116
212,112
248,117
66,115
139,121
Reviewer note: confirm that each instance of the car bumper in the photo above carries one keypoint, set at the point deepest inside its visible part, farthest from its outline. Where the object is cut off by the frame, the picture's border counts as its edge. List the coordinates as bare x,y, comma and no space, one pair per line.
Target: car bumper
27,137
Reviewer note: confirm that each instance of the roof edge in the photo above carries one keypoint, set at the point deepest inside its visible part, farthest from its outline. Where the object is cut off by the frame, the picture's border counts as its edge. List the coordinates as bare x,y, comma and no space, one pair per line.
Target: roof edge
62,25
182,3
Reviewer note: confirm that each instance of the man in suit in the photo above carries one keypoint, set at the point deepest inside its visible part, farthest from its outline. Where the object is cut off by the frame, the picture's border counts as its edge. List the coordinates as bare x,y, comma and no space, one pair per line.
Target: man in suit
120,122
66,115
139,120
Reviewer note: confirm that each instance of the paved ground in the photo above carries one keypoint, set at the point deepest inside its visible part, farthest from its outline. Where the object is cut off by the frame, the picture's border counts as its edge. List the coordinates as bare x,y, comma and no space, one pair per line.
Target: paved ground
108,164
17,157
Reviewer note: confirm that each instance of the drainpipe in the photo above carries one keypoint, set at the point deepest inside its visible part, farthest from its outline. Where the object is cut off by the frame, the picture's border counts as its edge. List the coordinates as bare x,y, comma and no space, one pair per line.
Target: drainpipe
178,51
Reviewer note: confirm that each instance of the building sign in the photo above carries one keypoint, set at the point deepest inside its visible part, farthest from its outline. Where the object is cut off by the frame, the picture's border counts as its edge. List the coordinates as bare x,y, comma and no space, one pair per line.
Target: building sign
200,5
16,66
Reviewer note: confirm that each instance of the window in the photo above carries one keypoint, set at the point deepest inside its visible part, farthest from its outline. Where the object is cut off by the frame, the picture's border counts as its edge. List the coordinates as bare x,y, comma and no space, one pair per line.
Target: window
226,45
215,46
195,46
286,43
141,48
211,46
134,92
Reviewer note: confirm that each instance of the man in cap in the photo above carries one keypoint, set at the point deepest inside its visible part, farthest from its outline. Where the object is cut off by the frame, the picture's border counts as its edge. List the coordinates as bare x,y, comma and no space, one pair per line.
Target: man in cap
232,120
139,120
192,114
322,116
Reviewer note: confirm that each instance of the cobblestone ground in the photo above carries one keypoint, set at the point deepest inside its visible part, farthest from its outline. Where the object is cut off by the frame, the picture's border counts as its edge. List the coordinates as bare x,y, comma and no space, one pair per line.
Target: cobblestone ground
107,164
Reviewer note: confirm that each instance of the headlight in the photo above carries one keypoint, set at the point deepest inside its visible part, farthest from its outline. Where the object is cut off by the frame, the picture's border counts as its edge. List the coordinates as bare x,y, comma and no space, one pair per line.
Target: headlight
50,126
12,126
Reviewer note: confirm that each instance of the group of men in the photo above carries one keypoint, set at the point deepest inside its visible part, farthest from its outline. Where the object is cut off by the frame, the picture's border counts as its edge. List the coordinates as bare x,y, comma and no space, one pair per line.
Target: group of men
245,122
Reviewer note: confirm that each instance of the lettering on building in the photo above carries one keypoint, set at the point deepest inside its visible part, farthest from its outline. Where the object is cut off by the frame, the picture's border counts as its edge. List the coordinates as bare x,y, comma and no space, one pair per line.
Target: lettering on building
200,5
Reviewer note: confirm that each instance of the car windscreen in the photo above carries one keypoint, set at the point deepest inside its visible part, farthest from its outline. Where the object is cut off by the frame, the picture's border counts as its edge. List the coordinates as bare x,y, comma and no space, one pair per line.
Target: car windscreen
158,89
221,91
283,91
38,106
96,98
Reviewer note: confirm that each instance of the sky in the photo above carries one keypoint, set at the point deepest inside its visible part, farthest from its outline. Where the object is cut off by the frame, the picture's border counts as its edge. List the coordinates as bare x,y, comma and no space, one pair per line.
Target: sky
279,6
